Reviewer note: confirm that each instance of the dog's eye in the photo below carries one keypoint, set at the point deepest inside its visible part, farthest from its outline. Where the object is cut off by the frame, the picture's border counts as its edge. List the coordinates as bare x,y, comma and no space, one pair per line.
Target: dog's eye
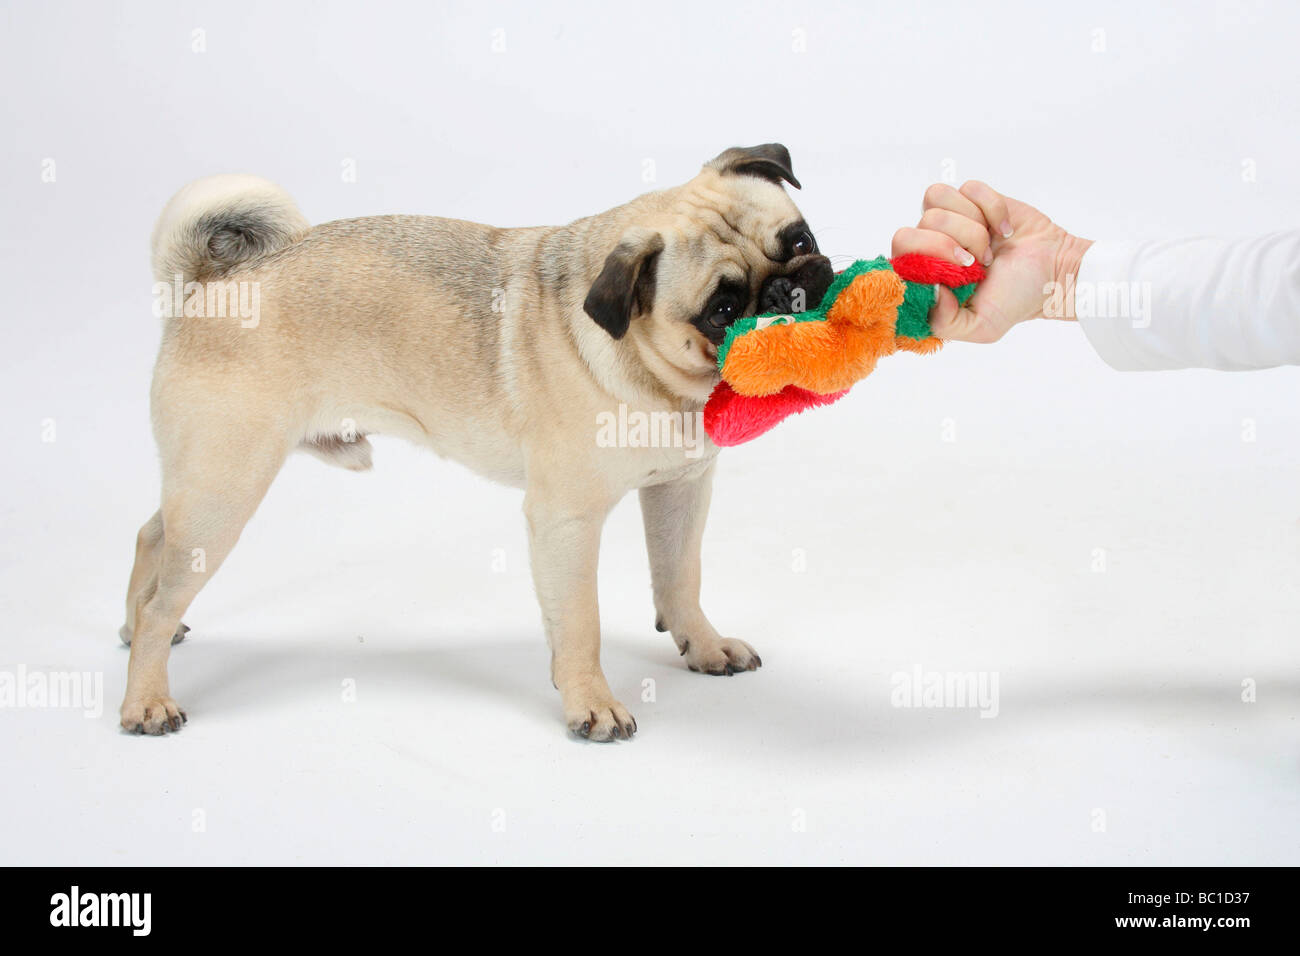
804,244
722,312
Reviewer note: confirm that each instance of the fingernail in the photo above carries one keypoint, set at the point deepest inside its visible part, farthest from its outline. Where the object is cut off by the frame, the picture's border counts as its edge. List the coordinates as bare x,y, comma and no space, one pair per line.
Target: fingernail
987,258
1005,229
964,257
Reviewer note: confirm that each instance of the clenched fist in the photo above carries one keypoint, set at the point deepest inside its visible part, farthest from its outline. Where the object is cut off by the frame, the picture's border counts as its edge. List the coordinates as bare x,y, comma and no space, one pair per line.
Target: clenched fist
1032,262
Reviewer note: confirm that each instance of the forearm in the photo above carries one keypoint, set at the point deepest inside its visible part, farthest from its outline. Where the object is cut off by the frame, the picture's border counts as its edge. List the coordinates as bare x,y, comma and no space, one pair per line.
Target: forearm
1192,303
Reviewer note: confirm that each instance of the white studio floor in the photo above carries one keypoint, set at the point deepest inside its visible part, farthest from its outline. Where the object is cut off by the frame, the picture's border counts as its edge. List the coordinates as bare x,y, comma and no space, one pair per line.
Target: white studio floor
1121,735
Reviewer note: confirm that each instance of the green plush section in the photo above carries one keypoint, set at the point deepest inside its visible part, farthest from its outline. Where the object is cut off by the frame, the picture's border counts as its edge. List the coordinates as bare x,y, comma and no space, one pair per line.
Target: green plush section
918,298
913,320
964,292
747,325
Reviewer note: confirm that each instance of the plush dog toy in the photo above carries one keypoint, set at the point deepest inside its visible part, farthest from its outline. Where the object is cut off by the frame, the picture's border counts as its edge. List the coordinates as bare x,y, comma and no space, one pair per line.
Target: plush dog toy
775,365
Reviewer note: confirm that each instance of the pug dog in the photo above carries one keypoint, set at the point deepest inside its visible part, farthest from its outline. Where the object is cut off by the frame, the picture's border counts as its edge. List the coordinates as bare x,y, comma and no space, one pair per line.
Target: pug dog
508,350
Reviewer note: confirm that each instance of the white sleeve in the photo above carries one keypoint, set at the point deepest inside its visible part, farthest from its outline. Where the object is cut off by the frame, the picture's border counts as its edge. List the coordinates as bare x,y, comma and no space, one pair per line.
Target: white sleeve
1193,303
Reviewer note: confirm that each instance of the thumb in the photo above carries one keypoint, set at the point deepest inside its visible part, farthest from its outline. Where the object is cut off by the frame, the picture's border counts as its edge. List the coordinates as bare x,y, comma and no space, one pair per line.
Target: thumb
948,320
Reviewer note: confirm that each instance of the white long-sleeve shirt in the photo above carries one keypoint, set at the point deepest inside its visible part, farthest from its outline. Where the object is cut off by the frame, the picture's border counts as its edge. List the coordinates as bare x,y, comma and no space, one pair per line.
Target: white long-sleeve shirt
1193,303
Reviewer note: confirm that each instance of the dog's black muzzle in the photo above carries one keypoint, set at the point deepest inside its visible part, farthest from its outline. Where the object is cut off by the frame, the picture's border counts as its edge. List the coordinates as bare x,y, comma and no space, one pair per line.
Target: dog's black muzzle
798,291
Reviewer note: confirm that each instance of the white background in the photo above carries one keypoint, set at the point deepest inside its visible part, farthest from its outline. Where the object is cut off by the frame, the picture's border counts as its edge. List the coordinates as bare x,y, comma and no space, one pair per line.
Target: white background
1120,689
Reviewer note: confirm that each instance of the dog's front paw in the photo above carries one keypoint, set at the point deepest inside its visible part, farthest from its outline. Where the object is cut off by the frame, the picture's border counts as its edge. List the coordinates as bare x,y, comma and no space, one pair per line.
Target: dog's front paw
153,715
599,718
720,656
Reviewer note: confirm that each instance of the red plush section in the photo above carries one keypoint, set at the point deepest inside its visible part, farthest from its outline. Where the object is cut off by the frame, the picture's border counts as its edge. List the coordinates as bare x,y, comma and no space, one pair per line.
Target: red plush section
915,267
733,419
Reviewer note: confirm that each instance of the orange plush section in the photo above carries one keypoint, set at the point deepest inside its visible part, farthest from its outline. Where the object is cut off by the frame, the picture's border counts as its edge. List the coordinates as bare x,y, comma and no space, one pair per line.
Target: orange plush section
827,356
923,346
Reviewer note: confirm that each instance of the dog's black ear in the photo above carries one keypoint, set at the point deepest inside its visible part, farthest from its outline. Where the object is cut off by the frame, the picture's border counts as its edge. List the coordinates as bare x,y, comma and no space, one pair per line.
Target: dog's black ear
626,284
771,161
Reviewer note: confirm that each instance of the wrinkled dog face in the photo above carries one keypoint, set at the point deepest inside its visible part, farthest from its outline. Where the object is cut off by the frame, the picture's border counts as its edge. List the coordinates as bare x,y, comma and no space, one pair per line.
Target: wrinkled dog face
728,244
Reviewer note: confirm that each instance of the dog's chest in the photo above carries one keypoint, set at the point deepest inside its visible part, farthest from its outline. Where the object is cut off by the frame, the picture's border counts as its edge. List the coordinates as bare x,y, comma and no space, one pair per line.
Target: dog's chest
655,466
652,446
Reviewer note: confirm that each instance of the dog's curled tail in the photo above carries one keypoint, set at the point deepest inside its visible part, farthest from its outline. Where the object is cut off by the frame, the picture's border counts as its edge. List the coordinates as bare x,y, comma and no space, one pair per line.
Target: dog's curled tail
216,224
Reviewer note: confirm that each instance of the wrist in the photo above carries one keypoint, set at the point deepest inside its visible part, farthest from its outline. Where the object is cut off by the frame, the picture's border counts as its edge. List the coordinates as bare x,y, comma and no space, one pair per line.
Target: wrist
1069,258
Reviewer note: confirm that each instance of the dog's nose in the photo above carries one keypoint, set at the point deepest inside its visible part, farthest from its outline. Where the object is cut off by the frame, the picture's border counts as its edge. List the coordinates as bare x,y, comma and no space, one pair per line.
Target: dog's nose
799,291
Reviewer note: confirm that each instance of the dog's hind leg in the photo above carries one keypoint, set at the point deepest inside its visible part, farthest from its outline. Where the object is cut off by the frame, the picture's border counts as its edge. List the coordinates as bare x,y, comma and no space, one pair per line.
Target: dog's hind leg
144,576
674,515
211,487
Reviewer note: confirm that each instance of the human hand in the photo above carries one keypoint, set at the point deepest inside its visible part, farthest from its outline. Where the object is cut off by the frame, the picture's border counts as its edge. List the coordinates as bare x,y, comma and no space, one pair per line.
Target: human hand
1032,263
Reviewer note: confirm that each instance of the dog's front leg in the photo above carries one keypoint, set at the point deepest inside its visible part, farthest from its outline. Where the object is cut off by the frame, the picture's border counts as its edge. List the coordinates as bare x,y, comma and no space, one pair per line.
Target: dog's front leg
674,515
564,546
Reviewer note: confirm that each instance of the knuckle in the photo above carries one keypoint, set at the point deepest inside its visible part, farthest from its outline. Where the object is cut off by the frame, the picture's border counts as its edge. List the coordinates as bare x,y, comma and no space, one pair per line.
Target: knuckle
940,220
935,193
